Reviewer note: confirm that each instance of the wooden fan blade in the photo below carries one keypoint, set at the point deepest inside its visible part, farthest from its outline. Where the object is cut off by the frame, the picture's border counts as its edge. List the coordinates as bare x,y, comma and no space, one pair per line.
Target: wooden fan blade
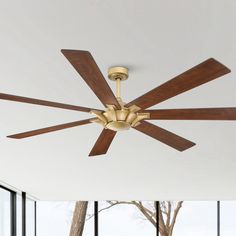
198,75
15,98
103,142
86,66
228,113
164,136
49,129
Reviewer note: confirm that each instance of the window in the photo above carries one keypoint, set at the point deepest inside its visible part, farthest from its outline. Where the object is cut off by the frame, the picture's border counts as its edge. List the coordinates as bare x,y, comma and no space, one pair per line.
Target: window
227,218
30,217
125,219
55,218
5,212
19,214
196,218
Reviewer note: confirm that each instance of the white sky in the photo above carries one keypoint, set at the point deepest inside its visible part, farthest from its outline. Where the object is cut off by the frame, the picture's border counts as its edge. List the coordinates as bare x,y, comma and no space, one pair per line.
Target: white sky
195,219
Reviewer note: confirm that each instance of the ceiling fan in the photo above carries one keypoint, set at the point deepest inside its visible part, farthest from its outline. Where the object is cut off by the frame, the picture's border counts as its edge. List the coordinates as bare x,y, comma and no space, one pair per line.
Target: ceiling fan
122,116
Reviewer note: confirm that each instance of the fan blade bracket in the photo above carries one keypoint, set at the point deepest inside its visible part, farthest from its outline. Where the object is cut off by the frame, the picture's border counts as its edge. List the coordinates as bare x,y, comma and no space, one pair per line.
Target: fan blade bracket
98,121
111,107
136,124
100,116
134,108
110,115
140,117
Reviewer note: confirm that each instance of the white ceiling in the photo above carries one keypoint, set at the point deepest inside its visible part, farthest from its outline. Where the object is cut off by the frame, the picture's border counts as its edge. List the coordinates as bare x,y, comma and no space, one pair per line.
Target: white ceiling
157,40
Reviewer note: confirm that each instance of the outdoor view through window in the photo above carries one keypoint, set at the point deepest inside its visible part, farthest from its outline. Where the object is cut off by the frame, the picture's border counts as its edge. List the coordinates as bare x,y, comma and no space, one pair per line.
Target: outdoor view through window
125,218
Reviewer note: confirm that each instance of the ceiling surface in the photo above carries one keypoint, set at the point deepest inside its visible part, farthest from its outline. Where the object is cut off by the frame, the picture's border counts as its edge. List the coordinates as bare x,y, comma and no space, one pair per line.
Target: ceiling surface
157,40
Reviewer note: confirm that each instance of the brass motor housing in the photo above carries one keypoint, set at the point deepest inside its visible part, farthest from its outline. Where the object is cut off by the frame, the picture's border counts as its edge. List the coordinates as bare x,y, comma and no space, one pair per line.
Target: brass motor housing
119,119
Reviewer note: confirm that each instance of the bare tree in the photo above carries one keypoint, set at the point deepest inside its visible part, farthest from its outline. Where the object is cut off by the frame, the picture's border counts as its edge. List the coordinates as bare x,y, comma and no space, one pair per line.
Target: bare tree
78,219
168,212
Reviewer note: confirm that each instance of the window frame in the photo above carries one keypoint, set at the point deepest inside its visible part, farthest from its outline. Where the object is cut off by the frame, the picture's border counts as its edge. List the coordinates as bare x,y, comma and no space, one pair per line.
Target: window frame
13,212
12,209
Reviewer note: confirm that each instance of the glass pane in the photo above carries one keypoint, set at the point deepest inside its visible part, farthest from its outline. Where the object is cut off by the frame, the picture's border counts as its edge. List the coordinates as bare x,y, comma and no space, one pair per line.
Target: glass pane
55,218
227,218
30,217
5,219
19,214
194,218
126,219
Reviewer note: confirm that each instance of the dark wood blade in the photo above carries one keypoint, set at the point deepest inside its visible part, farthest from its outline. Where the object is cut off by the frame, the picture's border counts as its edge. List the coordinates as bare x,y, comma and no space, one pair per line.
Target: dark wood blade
164,136
86,66
198,75
228,113
15,98
103,142
49,129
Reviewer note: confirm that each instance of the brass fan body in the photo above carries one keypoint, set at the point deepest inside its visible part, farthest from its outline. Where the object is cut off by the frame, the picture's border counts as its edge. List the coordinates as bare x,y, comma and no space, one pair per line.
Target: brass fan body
125,117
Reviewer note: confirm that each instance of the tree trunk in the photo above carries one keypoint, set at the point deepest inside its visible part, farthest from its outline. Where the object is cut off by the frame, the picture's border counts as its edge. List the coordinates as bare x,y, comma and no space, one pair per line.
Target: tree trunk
79,217
164,234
